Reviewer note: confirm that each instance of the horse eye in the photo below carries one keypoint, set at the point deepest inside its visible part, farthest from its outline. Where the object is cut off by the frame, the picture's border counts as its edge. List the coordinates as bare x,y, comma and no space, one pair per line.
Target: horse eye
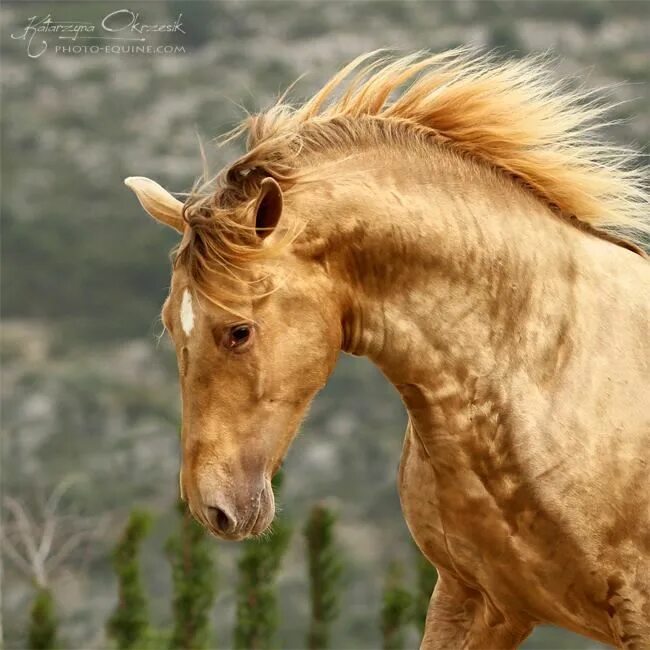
238,335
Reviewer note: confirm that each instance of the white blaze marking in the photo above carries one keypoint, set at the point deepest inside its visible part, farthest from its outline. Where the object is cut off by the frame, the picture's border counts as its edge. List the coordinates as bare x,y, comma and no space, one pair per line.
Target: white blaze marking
187,313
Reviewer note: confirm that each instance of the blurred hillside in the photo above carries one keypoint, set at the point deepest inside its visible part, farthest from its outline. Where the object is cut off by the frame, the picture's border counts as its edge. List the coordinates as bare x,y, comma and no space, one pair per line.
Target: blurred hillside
86,386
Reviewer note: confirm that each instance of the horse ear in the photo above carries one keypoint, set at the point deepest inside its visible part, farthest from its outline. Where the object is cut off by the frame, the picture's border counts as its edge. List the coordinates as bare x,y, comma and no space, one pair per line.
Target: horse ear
268,208
157,201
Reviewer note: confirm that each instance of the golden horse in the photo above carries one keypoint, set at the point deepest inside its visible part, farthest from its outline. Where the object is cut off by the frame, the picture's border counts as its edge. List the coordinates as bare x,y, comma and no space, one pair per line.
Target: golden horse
454,219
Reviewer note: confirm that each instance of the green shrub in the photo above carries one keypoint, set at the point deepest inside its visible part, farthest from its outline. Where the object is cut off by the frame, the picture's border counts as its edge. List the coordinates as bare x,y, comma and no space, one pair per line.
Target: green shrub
426,577
194,584
324,575
42,621
257,608
396,609
129,623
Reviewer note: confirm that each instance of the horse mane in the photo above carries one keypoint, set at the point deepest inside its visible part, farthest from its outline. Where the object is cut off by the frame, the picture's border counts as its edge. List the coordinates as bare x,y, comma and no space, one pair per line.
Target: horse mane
511,114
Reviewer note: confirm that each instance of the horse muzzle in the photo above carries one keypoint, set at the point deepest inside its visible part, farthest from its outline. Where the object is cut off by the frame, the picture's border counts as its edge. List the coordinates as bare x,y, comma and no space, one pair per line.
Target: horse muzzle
236,515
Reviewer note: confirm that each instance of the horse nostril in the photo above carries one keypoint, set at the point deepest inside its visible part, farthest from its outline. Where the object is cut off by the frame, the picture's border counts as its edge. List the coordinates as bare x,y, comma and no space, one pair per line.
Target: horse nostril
221,521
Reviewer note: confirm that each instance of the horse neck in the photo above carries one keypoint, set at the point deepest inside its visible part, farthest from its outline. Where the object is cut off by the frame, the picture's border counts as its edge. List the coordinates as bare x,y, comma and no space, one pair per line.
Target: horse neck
446,269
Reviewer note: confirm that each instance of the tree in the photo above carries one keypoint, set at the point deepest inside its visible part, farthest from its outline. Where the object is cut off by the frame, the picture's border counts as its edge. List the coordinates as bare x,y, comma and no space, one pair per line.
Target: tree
257,615
396,609
324,575
39,542
194,584
128,625
426,576
42,621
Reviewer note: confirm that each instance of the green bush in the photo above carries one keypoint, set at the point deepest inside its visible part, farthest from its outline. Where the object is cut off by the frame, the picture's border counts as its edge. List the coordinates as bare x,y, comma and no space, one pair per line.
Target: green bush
194,584
129,624
396,609
324,575
257,607
426,577
42,621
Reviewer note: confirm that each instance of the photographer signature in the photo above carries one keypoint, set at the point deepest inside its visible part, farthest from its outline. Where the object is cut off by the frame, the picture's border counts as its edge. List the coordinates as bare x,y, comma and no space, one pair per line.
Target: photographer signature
120,25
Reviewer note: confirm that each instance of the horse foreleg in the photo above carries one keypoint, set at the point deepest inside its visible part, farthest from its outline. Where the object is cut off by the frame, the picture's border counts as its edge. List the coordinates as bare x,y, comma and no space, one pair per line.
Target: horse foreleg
460,618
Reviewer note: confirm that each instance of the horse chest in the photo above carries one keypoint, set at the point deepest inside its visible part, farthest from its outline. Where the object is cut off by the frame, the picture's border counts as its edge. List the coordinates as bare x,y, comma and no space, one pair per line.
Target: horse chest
459,520
420,503
465,525
505,550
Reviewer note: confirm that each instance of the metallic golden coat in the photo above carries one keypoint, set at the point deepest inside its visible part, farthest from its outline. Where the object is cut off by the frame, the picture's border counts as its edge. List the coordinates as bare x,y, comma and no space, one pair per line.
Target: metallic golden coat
452,235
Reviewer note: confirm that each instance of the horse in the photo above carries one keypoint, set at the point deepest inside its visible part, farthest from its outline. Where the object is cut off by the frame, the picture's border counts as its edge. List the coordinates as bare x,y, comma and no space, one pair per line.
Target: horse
458,219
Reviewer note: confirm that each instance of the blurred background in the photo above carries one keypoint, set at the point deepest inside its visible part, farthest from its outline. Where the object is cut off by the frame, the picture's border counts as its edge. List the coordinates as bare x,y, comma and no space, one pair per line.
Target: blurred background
89,393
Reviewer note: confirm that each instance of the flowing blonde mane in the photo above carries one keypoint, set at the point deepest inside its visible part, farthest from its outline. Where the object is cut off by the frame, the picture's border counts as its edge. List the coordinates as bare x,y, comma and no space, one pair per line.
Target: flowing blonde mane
512,115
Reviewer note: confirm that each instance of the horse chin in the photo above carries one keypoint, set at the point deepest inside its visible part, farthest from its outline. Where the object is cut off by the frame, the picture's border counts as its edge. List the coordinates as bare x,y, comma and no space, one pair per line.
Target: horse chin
235,537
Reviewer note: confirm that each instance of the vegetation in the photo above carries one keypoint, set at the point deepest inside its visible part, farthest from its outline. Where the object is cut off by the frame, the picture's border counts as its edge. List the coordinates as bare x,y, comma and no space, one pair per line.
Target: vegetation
396,609
426,578
324,575
257,615
129,624
190,553
42,622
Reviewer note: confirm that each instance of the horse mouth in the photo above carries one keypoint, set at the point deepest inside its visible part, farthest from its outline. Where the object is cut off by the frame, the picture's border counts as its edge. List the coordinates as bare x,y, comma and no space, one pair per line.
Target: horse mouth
265,512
